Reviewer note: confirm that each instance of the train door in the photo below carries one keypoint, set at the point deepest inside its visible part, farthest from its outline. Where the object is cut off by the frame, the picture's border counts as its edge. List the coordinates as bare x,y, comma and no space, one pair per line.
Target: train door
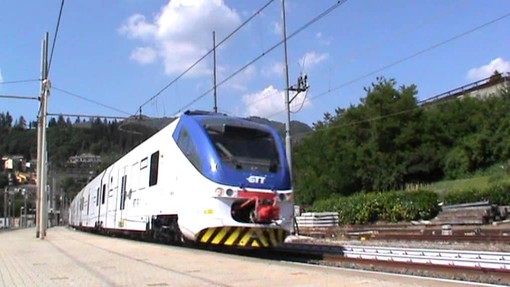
123,195
114,207
108,195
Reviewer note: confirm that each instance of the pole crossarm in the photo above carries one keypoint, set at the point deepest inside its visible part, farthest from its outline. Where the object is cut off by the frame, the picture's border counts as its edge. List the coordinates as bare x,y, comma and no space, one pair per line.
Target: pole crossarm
19,97
88,116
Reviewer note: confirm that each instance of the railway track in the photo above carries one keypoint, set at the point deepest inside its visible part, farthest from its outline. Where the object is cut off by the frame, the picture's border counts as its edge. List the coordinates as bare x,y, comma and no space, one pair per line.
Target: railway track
475,266
406,233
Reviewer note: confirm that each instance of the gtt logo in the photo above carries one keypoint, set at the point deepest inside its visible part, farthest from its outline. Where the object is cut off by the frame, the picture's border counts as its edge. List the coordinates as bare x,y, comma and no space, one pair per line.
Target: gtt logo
256,179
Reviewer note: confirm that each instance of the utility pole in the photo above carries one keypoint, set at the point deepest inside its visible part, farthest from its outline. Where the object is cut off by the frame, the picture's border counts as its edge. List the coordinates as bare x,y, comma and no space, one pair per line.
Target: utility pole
5,206
41,144
288,146
214,71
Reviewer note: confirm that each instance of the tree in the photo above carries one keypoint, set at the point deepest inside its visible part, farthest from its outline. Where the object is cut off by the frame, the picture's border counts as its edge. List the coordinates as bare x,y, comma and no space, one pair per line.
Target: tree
21,124
365,147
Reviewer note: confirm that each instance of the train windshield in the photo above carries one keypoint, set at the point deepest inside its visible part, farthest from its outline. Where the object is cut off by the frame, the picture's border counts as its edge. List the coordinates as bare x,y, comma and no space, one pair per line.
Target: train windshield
245,148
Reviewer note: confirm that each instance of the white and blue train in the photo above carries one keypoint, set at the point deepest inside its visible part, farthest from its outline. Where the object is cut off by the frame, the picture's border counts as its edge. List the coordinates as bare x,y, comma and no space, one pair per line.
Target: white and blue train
206,178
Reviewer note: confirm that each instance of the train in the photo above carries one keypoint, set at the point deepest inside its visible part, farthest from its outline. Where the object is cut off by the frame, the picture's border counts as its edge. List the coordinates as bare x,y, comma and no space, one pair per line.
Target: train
205,178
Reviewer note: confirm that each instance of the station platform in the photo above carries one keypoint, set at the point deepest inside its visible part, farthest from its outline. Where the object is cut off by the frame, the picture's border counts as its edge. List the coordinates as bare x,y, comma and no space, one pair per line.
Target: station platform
72,258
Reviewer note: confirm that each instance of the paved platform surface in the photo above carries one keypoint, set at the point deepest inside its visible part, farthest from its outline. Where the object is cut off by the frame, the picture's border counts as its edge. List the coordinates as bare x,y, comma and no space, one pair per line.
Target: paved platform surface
72,258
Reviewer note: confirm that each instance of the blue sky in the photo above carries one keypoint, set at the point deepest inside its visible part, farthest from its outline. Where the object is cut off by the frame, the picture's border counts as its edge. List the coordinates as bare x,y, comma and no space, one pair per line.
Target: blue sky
121,53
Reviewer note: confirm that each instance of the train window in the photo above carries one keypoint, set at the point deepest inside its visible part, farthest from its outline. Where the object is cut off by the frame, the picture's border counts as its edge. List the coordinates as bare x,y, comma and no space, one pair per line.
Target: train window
245,148
188,147
143,163
88,204
123,192
103,196
153,176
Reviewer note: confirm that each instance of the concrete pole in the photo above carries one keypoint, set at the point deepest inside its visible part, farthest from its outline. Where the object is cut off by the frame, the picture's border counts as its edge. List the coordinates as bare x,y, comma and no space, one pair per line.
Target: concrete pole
25,207
5,204
214,71
288,145
42,153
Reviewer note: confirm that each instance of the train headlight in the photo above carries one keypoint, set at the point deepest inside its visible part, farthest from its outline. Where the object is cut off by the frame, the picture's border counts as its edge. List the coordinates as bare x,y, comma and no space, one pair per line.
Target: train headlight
219,191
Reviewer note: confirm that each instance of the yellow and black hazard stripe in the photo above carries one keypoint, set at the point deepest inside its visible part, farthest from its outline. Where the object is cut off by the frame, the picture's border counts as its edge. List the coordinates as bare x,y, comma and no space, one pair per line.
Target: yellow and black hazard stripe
242,236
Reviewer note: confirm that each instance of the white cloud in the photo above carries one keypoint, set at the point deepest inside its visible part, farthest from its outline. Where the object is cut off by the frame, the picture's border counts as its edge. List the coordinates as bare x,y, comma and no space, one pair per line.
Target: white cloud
322,41
181,33
311,59
270,102
274,69
144,55
1,77
486,71
240,81
136,27
277,28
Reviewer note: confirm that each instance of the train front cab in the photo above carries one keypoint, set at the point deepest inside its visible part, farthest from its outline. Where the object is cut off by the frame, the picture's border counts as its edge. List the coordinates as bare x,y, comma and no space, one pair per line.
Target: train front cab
245,163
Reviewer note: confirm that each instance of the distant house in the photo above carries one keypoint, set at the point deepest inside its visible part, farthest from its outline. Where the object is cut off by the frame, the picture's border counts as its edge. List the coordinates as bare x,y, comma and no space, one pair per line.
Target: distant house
481,89
85,159
13,162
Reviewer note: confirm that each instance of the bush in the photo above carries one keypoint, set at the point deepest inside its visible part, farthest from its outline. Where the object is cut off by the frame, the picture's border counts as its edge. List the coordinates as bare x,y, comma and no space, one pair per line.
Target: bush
390,206
496,193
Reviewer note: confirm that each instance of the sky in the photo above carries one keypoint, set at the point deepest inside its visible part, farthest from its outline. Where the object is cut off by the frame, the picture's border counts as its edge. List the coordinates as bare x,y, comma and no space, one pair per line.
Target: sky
111,57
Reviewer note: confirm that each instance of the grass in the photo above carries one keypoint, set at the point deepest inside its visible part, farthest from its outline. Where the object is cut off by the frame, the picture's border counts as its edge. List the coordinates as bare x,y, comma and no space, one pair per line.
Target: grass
447,185
480,180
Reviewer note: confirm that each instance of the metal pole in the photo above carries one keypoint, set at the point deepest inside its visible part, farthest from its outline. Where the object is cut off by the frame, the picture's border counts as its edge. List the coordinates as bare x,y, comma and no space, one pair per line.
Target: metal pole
43,165
5,205
39,144
21,217
10,211
288,145
25,209
214,71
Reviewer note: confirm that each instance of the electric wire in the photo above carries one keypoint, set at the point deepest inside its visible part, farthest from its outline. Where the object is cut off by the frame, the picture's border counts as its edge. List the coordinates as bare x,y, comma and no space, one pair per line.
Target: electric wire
205,55
380,117
19,81
302,103
373,47
315,19
428,49
91,101
55,36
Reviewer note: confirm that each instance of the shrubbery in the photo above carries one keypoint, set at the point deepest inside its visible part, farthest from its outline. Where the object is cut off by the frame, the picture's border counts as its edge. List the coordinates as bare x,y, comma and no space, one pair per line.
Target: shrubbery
496,193
390,206
395,206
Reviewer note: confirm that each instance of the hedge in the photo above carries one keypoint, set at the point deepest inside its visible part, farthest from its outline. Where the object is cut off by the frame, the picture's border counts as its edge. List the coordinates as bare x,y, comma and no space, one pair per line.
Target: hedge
392,206
496,193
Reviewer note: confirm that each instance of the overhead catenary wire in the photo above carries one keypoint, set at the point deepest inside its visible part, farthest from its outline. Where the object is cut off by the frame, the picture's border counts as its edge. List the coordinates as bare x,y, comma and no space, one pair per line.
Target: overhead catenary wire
205,55
91,101
379,117
55,36
19,81
299,30
430,48
353,57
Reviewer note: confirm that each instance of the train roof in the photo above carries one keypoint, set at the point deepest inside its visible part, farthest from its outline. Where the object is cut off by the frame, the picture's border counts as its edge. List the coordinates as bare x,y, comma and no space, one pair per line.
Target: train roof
211,119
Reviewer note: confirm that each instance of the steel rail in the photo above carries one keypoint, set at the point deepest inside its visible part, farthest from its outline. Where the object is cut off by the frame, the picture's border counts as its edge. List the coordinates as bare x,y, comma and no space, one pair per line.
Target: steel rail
499,261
